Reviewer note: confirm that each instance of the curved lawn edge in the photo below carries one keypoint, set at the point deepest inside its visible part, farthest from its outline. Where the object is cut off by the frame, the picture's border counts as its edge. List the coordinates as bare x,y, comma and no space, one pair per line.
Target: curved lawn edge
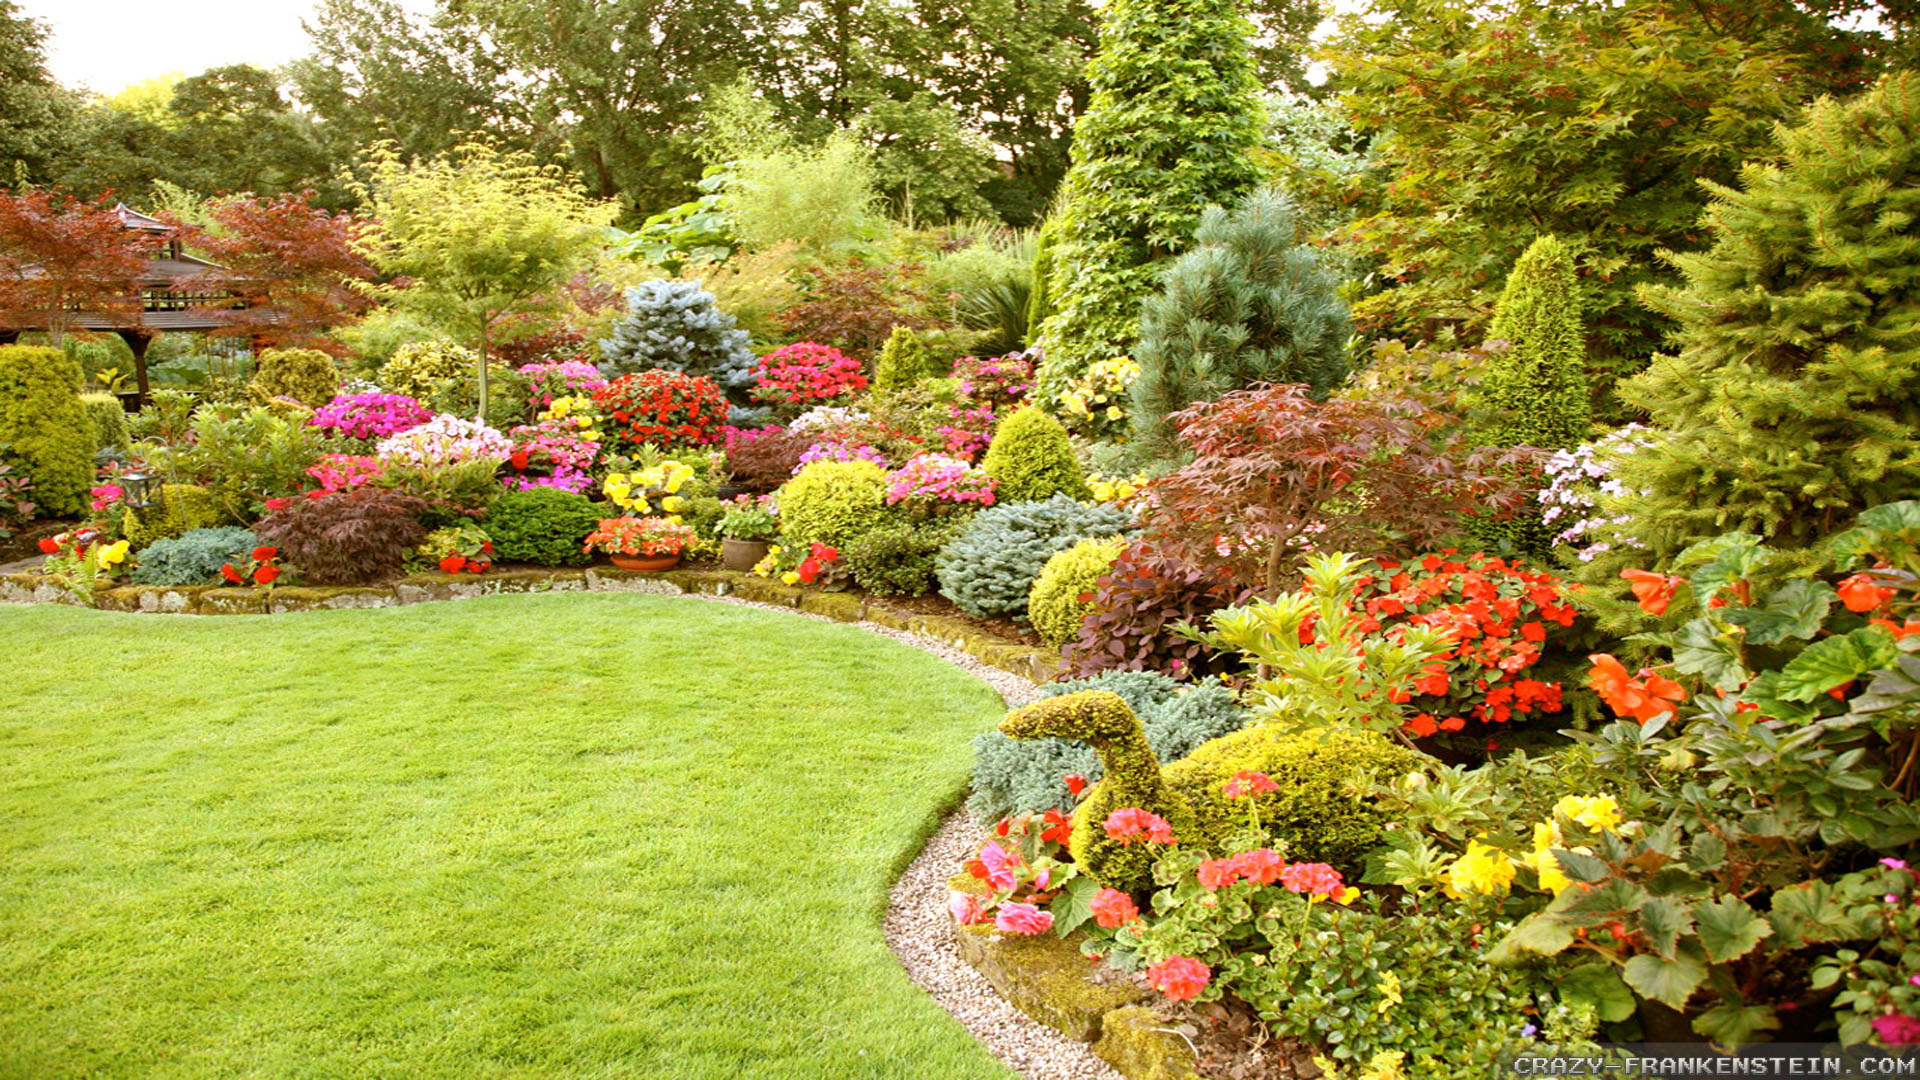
904,746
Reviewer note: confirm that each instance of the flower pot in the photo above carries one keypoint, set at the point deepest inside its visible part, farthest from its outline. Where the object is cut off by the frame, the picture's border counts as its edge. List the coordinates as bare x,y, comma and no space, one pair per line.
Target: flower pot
646,563
742,554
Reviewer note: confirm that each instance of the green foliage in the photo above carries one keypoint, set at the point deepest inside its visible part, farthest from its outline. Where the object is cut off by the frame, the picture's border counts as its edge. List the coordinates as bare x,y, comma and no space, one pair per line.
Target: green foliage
178,509
542,526
44,428
192,558
1247,304
1538,388
374,339
904,360
895,560
1322,812
675,325
1169,130
1794,402
1103,720
419,369
833,502
990,567
1012,776
108,419
246,455
1062,595
1040,291
1030,458
308,376
823,198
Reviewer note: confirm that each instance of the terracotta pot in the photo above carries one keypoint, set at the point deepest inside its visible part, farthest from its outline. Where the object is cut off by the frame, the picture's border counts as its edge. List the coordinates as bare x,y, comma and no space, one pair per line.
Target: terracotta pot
742,554
646,563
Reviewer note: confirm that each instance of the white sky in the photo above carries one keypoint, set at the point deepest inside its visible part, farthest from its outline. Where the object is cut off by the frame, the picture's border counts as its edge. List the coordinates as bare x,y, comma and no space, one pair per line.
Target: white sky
106,45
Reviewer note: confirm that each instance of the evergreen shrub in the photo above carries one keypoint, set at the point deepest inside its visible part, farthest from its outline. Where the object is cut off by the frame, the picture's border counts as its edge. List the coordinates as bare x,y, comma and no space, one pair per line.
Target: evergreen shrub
44,428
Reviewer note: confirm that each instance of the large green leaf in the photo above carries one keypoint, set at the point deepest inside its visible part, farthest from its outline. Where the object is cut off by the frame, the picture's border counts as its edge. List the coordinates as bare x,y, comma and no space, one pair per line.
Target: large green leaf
1581,867
1073,907
1795,610
1810,914
1598,985
1836,661
1702,648
1670,982
1663,919
1723,560
1729,928
1541,934
1893,517
1608,901
1732,1025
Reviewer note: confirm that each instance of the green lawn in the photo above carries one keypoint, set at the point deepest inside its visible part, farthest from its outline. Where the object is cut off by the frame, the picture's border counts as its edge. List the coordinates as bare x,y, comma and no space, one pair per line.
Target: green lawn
548,836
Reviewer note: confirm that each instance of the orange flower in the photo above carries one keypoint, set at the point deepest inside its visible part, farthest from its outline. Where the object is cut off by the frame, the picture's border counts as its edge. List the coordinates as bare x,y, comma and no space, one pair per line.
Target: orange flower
1653,591
1859,593
1633,698
1911,627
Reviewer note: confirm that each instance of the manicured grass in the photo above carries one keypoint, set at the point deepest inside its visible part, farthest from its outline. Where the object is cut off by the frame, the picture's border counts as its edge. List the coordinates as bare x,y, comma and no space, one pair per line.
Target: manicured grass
548,836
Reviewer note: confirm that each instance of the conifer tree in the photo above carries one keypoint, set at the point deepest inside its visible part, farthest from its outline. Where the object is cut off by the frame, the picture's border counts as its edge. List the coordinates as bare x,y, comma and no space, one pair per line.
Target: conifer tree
1170,129
1794,400
1537,391
1247,304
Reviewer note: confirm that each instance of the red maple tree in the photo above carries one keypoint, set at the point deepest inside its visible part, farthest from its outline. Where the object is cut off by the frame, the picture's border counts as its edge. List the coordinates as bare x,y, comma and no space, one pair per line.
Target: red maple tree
292,266
61,258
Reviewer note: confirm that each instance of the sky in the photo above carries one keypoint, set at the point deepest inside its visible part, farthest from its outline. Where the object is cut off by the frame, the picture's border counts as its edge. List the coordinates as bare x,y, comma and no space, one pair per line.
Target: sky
106,45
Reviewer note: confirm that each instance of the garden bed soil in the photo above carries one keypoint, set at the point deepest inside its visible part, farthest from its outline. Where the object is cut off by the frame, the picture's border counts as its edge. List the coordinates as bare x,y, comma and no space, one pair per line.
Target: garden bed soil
25,544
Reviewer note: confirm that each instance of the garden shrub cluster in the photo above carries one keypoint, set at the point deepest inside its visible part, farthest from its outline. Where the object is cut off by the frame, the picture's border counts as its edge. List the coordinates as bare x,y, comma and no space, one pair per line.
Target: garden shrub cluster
177,509
990,567
108,419
44,432
192,558
1063,594
542,526
306,376
833,502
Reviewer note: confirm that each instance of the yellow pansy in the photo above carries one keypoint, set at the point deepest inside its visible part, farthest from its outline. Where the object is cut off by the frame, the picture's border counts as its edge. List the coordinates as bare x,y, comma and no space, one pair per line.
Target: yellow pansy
1483,871
113,553
1597,812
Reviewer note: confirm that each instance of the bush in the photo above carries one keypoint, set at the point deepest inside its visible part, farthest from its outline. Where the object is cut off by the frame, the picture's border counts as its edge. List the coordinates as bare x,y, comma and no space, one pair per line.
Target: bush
308,376
43,428
675,325
663,408
1247,304
989,568
178,509
1031,459
1135,604
542,526
833,502
108,419
1537,390
445,440
904,361
247,455
418,369
895,560
1062,596
193,558
1013,776
348,537
370,416
805,374
765,459
1315,812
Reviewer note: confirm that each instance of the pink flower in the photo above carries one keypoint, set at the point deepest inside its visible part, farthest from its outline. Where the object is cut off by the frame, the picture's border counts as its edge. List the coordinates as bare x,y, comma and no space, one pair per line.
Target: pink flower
1131,823
1262,867
966,908
1897,1030
1316,879
1002,867
1219,873
1247,783
1112,908
1180,977
1022,919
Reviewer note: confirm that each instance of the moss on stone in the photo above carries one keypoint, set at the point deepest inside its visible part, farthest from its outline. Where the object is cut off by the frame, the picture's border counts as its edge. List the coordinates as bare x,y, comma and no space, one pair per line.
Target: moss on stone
1136,1042
837,606
233,602
1045,977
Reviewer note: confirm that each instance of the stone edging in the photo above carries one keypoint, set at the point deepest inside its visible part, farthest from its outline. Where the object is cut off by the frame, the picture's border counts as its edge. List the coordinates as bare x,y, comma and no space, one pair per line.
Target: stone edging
1034,664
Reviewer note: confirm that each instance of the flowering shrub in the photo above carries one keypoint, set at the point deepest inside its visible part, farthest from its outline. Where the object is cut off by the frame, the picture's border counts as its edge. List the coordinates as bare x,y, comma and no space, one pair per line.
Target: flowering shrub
82,558
370,416
999,383
1094,403
1577,480
805,373
343,472
445,440
456,549
653,491
831,418
663,408
261,567
552,453
649,537
1024,868
577,413
748,518
569,378
971,431
1125,491
837,447
935,483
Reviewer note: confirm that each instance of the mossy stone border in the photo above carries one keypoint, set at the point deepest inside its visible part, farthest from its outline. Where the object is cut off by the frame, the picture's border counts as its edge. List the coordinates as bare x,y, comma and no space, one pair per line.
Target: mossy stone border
1034,664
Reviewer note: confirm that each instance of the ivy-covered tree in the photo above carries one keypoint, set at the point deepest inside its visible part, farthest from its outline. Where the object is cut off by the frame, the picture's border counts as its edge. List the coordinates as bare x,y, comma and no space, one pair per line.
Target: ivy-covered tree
1536,392
1794,400
1170,130
1247,304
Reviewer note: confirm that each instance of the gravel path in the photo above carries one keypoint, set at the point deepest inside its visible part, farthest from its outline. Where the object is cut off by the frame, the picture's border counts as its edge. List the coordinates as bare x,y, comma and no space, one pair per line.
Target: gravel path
920,931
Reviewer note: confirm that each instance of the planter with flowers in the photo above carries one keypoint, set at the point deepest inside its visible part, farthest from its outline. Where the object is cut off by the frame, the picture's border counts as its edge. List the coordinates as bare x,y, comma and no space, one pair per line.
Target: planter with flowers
746,529
648,544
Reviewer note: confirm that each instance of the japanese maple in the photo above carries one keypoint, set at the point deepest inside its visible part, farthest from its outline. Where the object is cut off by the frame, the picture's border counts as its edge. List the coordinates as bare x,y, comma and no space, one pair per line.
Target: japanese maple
61,257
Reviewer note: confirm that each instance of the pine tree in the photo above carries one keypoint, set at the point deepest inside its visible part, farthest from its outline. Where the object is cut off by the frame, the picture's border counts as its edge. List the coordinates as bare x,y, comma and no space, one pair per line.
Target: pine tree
1248,304
1537,391
1794,400
1169,130
676,325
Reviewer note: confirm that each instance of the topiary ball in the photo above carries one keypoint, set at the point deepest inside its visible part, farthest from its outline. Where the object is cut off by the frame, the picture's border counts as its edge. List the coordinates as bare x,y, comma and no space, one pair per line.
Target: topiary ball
308,376
1062,596
833,503
1031,459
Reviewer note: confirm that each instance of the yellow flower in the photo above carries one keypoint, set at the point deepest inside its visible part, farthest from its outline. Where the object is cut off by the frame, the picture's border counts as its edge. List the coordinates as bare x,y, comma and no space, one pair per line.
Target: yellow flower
1347,896
1482,870
673,504
113,553
1597,812
790,577
1114,412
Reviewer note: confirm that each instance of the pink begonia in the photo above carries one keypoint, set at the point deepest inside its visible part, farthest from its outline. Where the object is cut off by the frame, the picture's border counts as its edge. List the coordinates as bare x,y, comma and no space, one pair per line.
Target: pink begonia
445,440
1002,867
106,495
344,472
371,416
551,445
807,372
937,478
1022,919
966,908
563,479
570,378
836,448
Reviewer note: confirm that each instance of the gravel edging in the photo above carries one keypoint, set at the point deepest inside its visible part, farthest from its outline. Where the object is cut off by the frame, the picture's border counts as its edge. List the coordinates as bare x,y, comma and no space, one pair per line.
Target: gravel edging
919,929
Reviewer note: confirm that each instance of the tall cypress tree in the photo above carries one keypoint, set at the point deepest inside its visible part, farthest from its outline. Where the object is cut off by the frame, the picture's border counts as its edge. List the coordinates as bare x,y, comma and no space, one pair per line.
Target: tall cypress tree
1794,401
1537,390
1169,130
1247,304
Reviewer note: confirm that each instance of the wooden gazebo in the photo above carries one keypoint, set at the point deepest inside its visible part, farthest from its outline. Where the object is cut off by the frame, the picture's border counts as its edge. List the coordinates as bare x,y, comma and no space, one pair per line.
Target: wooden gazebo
178,292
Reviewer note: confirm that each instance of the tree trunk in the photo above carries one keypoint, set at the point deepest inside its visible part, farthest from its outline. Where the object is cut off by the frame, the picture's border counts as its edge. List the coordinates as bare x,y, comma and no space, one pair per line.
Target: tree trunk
481,414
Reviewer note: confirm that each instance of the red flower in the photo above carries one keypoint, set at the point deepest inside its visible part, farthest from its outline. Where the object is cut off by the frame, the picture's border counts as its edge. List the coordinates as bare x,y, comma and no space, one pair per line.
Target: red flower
265,575
1180,977
1262,867
1628,697
265,554
1218,873
1859,593
519,459
1112,908
1653,591
1131,824
227,571
1247,783
49,546
477,567
453,564
1076,783
279,504
1058,830
1316,879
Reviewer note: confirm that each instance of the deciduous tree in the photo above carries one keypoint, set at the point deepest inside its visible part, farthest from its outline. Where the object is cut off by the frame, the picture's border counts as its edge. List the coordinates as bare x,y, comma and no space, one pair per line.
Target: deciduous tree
60,257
